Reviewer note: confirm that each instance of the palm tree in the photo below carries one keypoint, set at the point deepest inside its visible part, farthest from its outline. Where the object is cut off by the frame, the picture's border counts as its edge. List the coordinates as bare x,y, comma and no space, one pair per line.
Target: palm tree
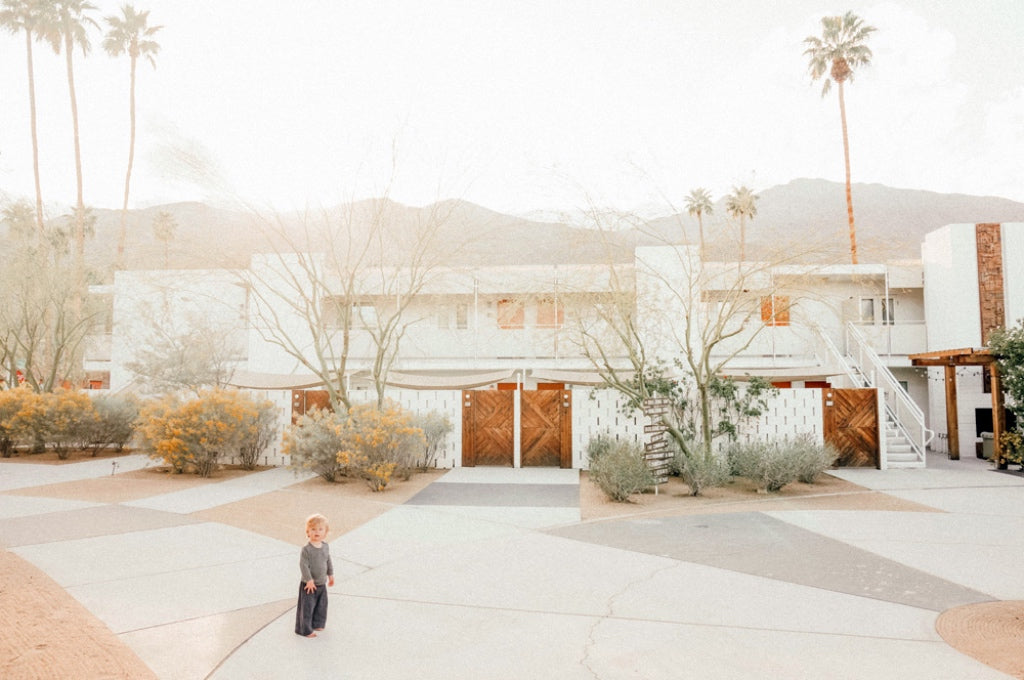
742,203
20,220
840,49
28,16
129,34
69,28
698,203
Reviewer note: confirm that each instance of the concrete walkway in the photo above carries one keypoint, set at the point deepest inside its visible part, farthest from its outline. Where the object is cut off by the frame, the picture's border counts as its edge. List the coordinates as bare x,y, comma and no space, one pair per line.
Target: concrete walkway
489,573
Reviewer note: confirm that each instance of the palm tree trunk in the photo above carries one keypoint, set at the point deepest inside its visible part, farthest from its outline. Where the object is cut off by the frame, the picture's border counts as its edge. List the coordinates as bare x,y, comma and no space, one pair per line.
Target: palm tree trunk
743,238
35,137
123,234
80,206
849,192
700,224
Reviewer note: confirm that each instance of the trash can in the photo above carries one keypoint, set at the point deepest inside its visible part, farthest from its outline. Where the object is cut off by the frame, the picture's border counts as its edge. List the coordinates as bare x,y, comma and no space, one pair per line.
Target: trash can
987,445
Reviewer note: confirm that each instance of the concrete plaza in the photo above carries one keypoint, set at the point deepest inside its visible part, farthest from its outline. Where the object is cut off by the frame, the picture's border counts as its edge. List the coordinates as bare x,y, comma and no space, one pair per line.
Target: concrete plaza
490,573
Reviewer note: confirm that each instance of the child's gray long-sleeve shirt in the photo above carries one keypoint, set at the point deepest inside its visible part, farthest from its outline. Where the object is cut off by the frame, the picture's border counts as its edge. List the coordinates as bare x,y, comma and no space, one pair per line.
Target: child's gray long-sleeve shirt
315,563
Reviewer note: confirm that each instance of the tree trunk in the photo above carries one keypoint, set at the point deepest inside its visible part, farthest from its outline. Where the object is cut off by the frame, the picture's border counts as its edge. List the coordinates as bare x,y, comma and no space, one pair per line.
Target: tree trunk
80,206
35,137
122,236
849,192
705,419
743,238
700,225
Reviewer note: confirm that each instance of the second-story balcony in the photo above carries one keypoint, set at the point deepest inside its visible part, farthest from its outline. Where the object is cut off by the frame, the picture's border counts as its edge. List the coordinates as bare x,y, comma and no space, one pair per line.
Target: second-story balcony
893,342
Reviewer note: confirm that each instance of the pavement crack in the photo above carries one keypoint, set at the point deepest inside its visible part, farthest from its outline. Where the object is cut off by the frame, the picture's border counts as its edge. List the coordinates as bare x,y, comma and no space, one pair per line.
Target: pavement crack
591,641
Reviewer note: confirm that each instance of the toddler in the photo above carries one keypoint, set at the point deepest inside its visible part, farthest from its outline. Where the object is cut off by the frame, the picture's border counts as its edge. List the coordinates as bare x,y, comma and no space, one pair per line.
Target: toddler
317,575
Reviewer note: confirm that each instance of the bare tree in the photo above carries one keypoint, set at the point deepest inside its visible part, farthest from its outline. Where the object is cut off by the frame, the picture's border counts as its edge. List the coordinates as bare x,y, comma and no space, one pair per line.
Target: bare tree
187,332
43,323
336,297
670,318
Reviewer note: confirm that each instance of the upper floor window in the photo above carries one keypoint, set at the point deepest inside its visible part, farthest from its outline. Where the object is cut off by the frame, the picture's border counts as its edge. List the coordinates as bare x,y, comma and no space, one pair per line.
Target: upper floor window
511,314
885,307
359,314
775,310
550,314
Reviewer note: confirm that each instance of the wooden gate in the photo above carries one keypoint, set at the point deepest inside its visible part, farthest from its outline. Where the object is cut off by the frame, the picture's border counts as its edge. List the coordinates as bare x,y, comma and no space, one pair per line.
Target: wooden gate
546,429
488,423
851,425
307,400
488,428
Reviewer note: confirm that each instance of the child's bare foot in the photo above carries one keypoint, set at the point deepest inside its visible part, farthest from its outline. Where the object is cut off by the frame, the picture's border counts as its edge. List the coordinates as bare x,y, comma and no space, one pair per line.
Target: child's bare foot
318,629
311,635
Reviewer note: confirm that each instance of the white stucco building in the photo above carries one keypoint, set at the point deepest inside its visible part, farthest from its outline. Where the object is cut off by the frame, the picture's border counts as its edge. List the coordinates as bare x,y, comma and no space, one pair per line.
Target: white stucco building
518,329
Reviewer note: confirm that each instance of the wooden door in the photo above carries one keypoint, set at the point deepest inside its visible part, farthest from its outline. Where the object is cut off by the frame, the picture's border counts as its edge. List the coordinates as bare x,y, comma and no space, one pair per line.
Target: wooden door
851,425
488,424
546,429
307,400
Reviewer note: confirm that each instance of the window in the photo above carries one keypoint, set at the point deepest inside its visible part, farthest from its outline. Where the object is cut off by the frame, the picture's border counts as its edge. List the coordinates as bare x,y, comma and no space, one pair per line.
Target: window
462,316
361,314
887,306
888,311
364,315
550,314
510,314
867,310
775,310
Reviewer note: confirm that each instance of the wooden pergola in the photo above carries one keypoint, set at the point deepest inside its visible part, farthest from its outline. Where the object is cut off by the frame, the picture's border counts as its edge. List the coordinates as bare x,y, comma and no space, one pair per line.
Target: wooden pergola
950,360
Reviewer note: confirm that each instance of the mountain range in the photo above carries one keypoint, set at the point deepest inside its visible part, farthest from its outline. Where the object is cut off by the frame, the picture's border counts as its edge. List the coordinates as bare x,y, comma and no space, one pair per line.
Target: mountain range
808,214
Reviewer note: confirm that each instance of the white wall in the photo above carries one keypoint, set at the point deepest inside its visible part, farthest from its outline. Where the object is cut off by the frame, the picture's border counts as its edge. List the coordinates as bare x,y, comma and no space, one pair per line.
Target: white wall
1013,272
952,308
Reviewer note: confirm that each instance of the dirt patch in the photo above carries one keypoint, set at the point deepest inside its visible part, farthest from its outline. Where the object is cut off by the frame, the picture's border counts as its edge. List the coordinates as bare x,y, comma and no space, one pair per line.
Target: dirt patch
991,632
46,633
346,504
130,486
673,498
50,457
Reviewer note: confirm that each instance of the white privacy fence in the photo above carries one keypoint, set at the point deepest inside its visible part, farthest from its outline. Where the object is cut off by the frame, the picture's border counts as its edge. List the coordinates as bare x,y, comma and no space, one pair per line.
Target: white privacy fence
791,413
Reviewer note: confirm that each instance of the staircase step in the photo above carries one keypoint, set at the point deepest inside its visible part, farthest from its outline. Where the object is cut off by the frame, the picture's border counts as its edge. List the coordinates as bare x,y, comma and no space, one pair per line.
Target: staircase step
901,457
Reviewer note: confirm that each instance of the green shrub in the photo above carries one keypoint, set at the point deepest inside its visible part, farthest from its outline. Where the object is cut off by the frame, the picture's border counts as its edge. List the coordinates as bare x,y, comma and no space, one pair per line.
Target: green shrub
115,421
776,464
814,458
435,428
313,442
258,434
598,446
700,472
620,471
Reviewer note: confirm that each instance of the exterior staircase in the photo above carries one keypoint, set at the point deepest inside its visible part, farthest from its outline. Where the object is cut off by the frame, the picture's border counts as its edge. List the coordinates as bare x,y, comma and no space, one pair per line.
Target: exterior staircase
905,437
899,450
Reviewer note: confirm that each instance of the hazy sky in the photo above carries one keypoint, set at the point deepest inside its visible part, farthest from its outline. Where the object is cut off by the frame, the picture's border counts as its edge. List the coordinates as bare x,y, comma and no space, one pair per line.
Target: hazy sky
521,105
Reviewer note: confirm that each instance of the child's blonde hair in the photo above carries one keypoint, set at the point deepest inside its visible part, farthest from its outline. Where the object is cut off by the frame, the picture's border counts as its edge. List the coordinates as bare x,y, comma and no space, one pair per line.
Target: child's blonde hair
316,519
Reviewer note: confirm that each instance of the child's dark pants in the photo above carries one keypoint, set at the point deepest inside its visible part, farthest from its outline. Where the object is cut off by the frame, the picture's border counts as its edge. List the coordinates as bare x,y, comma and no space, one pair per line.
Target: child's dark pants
311,612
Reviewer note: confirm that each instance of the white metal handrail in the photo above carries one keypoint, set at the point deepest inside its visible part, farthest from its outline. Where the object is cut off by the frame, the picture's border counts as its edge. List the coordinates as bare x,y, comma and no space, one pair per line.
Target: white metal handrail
906,414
